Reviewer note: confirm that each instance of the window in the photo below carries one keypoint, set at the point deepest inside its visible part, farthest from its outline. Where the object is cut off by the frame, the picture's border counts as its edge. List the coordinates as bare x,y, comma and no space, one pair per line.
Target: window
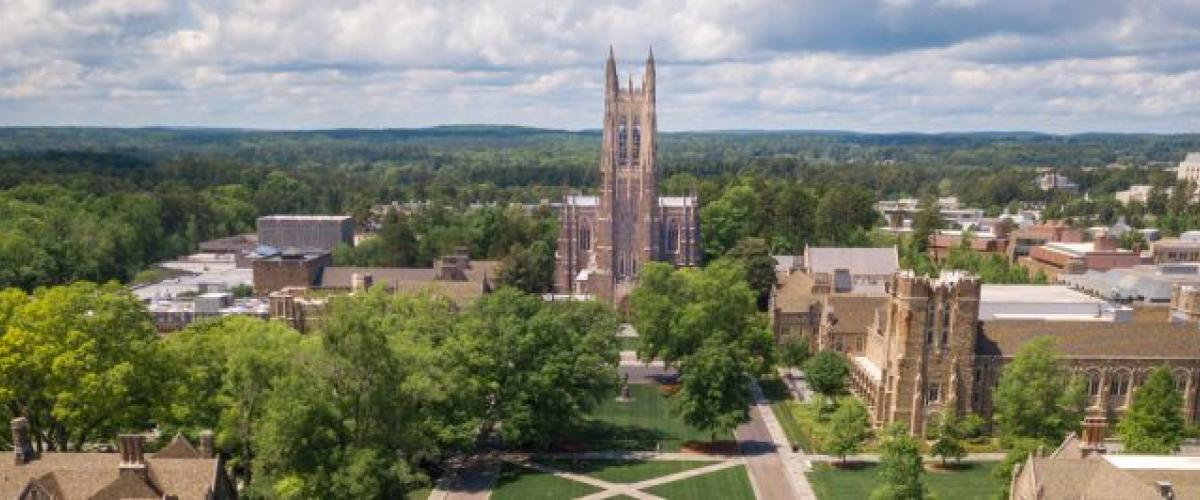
1120,384
928,338
945,339
933,393
1093,387
621,144
637,141
585,235
671,242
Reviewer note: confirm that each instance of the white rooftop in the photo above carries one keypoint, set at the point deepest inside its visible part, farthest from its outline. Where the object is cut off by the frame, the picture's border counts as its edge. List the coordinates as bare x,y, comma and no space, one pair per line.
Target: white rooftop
1042,294
304,217
677,201
1159,462
583,201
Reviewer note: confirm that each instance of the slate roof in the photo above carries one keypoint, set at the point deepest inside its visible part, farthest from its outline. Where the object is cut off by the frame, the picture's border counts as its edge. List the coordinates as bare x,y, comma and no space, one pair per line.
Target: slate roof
859,260
1140,338
854,313
97,476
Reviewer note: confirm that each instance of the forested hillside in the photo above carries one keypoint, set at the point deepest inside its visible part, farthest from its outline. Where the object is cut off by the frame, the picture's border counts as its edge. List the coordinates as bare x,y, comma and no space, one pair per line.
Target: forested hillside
99,204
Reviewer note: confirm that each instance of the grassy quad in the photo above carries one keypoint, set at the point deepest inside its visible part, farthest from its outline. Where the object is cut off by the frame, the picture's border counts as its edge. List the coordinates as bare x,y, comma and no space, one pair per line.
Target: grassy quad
973,481
518,483
726,484
640,424
624,471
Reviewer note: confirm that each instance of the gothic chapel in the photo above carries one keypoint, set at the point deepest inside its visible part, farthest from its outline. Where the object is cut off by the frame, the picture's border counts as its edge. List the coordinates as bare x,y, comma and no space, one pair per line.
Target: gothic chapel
605,239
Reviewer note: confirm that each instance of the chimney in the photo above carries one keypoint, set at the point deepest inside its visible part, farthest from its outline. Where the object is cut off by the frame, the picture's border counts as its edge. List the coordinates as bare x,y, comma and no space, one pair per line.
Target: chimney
1165,491
22,447
1093,435
133,461
206,444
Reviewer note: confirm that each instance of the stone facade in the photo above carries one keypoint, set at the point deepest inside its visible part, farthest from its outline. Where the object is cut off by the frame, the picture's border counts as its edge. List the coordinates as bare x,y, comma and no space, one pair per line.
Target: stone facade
604,240
918,359
929,352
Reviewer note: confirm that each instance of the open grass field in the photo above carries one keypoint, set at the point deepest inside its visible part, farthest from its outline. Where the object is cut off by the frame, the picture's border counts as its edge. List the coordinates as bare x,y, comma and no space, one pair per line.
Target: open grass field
624,471
974,482
640,424
518,483
726,484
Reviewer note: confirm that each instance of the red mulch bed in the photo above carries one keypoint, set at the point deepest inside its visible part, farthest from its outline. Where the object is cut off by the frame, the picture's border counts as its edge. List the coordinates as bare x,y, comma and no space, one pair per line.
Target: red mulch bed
668,389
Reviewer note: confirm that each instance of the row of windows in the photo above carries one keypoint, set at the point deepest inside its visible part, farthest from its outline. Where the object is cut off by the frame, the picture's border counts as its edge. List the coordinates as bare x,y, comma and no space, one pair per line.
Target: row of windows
671,236
624,152
1119,382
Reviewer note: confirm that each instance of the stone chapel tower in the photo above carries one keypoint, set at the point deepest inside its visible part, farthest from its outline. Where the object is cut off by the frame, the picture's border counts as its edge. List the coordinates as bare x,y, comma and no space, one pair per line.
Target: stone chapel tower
605,239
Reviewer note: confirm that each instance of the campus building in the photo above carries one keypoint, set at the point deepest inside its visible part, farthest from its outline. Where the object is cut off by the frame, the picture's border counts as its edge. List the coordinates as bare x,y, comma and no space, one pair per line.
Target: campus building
605,239
923,345
178,471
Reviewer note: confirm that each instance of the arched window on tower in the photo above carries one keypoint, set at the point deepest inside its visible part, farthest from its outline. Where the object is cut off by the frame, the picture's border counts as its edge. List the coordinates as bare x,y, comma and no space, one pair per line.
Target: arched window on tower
671,240
637,141
621,144
585,235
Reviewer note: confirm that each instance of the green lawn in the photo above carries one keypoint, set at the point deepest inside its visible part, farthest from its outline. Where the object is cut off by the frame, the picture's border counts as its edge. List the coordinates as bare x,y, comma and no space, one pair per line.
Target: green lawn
639,424
629,343
974,482
725,484
624,471
802,425
517,483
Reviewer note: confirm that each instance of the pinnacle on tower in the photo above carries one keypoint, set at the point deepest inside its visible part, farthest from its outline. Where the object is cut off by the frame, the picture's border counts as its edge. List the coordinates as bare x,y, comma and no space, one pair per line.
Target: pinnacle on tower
610,74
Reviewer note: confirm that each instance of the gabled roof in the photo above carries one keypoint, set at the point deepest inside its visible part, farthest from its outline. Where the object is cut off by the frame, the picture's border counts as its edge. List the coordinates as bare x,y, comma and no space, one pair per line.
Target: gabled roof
859,260
1145,338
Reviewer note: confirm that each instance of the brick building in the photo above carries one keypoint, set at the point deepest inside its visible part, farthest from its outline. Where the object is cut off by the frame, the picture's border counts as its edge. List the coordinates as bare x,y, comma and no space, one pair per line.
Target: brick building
604,240
305,232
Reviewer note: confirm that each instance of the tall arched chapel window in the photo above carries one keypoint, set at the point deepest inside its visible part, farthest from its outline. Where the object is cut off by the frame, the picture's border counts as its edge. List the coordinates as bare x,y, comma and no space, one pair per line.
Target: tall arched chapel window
637,141
585,235
622,139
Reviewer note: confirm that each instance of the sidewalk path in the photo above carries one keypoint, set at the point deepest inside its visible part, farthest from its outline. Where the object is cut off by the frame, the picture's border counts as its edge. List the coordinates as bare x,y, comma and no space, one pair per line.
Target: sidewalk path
471,480
608,489
775,472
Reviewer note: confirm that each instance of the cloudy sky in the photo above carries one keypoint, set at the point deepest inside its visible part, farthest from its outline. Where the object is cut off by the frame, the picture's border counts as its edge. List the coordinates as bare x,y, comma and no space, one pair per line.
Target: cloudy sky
870,65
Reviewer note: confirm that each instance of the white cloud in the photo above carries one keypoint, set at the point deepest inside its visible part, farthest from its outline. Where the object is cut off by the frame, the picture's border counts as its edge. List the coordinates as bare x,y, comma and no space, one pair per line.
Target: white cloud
1057,65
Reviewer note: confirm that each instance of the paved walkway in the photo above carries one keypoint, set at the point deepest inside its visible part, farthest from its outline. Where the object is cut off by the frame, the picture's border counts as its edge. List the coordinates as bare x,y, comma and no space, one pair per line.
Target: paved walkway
796,383
473,479
608,489
775,471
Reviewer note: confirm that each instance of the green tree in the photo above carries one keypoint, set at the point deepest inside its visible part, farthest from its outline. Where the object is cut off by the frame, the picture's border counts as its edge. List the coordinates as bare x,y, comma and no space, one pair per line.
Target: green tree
754,255
827,373
1037,397
714,392
533,369
728,219
81,363
927,221
900,467
675,311
530,270
223,371
843,211
1154,422
794,351
949,442
848,429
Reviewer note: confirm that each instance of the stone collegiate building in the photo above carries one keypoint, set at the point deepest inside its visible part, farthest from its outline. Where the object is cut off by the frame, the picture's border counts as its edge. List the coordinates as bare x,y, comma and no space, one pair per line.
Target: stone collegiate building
925,345
928,352
604,240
